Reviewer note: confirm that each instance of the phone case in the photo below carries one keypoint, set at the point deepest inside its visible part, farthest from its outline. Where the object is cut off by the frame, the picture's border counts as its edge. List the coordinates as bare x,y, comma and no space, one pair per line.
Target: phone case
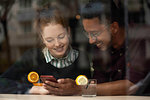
47,77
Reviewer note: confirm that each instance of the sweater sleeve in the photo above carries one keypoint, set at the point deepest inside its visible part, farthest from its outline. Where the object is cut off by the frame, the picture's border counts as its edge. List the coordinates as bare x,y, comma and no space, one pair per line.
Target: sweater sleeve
15,78
20,68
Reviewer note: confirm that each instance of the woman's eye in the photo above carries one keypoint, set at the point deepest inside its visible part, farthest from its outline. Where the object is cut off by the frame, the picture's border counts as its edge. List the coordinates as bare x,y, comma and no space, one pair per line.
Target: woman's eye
61,36
49,40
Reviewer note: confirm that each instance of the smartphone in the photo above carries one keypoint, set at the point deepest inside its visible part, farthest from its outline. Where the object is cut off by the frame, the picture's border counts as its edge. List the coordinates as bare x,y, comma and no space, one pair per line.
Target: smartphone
48,78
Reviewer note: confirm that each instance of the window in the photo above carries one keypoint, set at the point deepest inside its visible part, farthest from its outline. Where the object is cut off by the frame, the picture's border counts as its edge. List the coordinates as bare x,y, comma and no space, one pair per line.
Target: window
25,3
26,27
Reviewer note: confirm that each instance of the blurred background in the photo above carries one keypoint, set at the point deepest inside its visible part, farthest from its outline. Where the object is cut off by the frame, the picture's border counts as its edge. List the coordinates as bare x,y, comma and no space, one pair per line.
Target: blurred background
17,32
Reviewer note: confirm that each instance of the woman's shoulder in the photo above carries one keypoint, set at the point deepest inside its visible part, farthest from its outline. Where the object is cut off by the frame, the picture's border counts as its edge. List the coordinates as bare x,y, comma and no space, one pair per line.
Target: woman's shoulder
32,52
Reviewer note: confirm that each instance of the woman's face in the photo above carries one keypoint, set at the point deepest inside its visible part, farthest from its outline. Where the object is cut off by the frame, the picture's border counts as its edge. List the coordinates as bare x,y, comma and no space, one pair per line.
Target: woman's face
56,39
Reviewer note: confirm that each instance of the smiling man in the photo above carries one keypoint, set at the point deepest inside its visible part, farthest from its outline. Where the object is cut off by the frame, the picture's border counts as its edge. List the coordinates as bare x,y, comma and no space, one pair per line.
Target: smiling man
115,73
97,33
109,38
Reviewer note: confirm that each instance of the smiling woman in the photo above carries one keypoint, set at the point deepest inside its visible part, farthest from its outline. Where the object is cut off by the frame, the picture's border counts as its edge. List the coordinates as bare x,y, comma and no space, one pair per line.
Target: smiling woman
56,57
55,35
56,39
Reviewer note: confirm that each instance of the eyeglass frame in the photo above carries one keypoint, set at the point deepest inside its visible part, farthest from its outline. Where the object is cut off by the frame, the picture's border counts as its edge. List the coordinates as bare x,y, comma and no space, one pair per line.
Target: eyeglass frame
94,35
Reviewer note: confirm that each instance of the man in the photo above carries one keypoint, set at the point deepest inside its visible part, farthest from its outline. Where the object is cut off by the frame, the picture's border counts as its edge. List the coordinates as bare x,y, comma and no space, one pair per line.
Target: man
109,61
109,37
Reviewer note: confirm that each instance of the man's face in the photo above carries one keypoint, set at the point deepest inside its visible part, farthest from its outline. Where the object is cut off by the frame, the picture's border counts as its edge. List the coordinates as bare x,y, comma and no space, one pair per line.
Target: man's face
98,34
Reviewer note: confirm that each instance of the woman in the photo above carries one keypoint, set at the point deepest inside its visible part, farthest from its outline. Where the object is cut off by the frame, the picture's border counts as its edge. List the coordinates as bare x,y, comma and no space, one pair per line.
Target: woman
56,58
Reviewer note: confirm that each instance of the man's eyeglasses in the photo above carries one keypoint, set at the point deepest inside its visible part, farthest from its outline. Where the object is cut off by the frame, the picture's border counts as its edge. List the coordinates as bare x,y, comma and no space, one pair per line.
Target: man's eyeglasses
94,35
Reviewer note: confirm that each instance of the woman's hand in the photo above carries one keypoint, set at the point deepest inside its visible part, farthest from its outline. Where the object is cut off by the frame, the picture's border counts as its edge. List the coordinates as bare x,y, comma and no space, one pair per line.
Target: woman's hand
38,90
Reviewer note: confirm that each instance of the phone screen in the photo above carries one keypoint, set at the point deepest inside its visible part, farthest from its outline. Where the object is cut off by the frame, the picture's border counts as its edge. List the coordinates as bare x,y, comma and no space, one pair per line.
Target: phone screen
48,78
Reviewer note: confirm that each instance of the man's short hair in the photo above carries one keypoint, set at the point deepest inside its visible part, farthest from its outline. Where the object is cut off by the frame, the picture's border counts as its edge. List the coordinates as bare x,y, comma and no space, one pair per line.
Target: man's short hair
92,10
117,13
109,12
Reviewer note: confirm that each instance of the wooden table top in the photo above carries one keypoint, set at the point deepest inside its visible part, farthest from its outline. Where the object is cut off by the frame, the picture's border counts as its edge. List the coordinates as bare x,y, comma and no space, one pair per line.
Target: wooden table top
51,97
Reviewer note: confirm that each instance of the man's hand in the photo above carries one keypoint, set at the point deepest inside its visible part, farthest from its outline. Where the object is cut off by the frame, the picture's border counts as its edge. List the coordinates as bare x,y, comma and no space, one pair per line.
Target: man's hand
63,87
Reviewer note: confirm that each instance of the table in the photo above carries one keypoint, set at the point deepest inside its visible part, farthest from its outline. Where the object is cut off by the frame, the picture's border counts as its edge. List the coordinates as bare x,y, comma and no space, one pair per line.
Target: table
51,97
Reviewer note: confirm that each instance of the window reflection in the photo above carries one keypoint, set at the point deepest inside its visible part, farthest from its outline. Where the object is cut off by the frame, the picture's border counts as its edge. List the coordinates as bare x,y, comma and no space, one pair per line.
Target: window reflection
19,35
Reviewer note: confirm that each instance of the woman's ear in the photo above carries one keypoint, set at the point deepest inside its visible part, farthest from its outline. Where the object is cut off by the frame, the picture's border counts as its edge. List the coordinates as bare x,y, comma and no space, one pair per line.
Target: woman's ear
69,32
114,28
42,38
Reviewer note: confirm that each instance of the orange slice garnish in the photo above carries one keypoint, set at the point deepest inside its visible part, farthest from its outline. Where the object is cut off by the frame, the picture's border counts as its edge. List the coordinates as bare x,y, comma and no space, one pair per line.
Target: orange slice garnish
33,77
38,84
81,80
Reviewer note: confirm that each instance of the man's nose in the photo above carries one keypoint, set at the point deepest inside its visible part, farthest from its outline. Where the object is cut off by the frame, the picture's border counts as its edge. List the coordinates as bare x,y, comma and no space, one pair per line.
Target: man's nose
91,40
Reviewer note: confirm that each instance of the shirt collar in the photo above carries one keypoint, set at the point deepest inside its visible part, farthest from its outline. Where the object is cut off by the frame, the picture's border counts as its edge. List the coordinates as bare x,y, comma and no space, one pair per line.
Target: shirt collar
69,59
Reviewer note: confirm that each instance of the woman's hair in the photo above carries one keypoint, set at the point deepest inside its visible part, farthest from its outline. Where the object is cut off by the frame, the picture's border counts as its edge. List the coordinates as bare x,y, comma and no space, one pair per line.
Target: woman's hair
49,15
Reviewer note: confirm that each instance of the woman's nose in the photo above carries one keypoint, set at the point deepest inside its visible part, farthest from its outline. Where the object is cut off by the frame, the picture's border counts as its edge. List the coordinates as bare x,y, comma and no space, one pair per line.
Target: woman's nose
57,42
